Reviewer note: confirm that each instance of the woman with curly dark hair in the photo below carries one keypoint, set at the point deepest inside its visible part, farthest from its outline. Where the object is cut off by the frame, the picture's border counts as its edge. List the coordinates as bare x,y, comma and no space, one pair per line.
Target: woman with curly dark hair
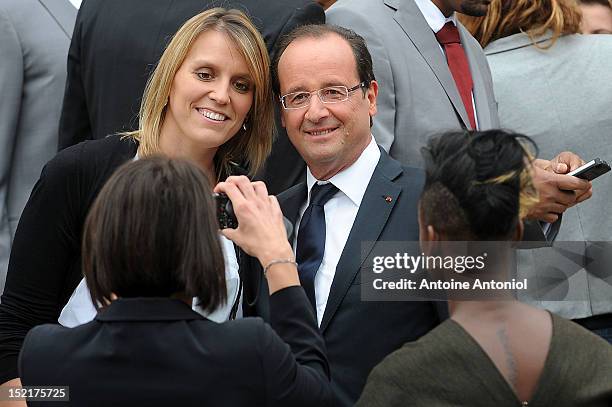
494,350
553,84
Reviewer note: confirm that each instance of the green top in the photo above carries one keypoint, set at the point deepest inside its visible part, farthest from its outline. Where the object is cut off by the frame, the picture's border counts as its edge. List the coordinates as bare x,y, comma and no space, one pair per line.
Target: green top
447,367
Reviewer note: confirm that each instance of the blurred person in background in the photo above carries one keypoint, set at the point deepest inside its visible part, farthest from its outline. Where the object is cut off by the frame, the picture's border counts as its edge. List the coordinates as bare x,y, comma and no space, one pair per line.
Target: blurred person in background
209,100
146,345
496,352
433,78
554,85
35,38
596,16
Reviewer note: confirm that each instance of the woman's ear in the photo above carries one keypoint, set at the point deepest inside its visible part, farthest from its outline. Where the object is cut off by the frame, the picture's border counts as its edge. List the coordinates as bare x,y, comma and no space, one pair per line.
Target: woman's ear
427,233
432,234
429,239
518,232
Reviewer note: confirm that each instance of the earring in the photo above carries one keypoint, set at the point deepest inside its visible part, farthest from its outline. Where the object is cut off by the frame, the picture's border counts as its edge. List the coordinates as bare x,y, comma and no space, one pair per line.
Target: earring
244,127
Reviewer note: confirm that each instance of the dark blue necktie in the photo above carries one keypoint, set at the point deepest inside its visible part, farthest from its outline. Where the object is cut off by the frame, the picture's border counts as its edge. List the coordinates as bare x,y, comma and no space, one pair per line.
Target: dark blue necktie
311,238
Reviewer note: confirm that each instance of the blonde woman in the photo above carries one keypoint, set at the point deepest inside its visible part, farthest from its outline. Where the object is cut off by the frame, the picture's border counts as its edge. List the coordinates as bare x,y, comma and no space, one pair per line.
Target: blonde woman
553,85
208,101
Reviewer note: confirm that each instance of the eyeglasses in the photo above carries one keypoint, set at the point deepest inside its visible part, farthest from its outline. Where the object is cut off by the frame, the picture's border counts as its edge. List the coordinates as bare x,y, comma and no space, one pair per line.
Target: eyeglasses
330,94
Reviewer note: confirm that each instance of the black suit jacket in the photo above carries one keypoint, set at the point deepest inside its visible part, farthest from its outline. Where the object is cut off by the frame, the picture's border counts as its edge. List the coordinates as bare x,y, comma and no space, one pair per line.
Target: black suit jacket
359,334
158,352
116,45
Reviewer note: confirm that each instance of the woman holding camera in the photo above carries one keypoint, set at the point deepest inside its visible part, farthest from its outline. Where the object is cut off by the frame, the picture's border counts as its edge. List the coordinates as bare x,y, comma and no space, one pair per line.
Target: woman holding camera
209,101
146,345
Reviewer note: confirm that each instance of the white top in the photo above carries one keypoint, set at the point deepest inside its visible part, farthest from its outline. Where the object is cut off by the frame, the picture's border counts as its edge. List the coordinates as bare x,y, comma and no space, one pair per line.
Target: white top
340,213
436,20
80,309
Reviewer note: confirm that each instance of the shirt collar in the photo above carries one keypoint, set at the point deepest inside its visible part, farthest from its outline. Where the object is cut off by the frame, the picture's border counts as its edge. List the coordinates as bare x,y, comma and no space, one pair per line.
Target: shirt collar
350,180
434,17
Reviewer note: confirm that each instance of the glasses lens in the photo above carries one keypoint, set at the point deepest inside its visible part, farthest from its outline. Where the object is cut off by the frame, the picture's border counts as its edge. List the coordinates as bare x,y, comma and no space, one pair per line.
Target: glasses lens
334,94
297,99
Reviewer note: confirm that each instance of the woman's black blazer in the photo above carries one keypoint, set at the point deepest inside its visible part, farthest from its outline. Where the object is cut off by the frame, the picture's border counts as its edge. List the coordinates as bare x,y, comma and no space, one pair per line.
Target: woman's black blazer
158,352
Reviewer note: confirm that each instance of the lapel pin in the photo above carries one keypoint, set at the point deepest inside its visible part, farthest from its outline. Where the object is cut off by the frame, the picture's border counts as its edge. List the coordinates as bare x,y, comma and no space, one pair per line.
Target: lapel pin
388,198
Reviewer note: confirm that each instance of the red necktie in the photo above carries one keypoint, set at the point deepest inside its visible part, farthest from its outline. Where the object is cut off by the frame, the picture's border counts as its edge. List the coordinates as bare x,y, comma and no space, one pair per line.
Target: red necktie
448,37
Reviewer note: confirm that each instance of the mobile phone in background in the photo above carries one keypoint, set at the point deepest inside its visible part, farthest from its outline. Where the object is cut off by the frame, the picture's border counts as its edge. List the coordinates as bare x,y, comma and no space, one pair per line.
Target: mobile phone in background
591,170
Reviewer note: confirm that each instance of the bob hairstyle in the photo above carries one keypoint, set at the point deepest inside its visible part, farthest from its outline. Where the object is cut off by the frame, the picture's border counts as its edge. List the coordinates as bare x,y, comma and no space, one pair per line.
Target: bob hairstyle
533,17
151,232
249,149
478,184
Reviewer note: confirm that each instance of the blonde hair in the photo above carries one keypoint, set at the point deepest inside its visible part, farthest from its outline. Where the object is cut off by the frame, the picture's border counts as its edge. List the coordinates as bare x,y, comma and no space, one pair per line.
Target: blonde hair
251,148
528,193
533,17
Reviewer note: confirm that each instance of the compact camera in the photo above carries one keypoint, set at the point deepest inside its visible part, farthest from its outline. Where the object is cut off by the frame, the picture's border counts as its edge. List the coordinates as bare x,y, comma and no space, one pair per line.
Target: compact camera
225,212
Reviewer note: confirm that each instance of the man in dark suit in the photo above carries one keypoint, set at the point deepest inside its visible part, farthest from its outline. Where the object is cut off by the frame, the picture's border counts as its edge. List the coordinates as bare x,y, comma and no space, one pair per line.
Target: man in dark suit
116,44
354,194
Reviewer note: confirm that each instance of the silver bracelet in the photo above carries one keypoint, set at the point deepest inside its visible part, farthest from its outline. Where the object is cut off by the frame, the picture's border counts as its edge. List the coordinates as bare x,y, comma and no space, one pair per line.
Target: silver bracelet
278,261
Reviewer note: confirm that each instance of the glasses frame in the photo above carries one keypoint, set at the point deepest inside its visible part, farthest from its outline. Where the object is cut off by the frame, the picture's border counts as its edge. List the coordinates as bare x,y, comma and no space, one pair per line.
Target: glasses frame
318,92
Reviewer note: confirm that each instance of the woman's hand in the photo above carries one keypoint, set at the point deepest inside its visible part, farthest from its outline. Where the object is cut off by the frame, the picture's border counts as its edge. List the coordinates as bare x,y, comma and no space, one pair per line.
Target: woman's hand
261,232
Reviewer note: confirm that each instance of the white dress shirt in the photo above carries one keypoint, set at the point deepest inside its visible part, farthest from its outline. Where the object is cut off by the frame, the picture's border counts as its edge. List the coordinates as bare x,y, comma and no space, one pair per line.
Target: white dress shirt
434,17
340,213
436,20
76,3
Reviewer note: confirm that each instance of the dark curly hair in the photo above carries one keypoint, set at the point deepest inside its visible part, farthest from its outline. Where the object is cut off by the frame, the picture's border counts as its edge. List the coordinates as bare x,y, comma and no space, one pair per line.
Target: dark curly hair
478,184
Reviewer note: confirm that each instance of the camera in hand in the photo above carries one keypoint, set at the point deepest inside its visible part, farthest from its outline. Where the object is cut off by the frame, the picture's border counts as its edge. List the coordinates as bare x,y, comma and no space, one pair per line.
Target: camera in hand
225,212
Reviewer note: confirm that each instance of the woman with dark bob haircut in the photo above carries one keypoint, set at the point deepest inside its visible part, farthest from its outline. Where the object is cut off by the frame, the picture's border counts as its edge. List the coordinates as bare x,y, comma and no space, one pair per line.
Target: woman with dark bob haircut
150,245
493,350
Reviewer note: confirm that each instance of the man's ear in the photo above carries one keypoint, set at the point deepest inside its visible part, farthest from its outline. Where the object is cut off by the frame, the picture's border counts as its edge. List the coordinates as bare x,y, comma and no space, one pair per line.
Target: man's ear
371,94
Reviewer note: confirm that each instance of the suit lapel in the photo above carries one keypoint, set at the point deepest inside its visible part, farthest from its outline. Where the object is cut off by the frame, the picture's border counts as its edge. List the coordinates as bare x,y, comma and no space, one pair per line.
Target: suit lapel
290,202
481,98
371,218
410,19
63,12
